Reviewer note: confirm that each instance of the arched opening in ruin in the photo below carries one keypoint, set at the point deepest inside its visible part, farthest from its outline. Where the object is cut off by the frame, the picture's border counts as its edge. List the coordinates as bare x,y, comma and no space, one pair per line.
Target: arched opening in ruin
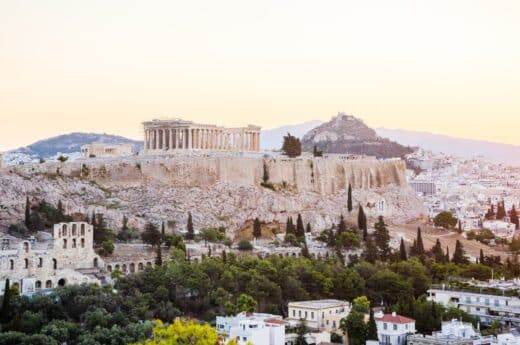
82,243
96,263
55,264
74,229
38,284
140,266
148,264
48,284
73,243
26,263
64,243
118,268
132,267
26,247
82,229
61,282
11,264
40,262
64,230
124,268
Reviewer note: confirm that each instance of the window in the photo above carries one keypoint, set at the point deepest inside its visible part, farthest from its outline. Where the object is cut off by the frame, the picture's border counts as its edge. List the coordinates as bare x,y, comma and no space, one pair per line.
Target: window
64,243
333,324
11,264
48,284
385,326
64,231
312,315
38,284
82,243
395,327
306,315
74,229
26,263
293,313
40,262
73,243
55,264
26,247
299,313
82,229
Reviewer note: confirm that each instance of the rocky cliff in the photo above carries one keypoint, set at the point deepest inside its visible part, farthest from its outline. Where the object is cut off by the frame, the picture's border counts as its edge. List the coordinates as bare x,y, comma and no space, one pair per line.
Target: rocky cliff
347,134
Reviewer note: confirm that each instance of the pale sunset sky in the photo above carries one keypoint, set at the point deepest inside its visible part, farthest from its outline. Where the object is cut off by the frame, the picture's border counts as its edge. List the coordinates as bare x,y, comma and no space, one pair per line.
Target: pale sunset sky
445,66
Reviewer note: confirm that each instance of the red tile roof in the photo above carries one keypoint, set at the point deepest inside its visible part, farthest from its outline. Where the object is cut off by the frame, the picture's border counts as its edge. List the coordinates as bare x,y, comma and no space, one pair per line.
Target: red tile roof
394,319
275,321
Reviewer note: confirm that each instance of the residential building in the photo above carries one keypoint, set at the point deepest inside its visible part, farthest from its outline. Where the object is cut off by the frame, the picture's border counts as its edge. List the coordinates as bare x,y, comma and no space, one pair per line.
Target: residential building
323,315
486,307
255,328
392,329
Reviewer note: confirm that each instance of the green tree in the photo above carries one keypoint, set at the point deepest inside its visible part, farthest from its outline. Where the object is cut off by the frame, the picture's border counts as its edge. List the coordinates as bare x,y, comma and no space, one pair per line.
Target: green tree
349,198
382,239
107,247
5,311
190,234
245,245
301,332
445,220
437,252
300,229
371,327
342,226
292,146
402,254
151,235
370,253
362,222
459,256
513,215
257,228
182,332
246,303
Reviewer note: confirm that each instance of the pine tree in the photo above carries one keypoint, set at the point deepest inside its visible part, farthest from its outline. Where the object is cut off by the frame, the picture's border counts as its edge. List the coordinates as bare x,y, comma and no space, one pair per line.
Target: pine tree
292,146
382,239
370,254
28,213
402,251
371,327
419,246
513,215
308,228
349,200
437,252
190,234
257,228
459,256
300,229
482,259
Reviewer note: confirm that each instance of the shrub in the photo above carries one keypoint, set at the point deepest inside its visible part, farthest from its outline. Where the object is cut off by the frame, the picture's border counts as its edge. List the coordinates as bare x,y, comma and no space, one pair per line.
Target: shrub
245,245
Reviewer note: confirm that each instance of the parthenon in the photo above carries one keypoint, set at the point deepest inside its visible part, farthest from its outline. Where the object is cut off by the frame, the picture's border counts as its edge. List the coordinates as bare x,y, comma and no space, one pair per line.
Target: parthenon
176,134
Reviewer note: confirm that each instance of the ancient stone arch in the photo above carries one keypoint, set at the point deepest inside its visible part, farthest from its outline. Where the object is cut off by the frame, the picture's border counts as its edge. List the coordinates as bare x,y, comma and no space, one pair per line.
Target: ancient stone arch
62,282
109,268
38,284
140,266
48,284
82,229
55,264
132,267
74,229
96,262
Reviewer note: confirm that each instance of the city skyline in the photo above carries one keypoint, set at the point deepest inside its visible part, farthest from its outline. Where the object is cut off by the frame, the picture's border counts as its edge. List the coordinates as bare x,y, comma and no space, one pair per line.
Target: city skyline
443,67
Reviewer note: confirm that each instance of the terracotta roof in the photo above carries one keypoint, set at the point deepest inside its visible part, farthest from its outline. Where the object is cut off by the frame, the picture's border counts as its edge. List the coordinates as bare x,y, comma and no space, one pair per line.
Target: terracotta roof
394,319
275,321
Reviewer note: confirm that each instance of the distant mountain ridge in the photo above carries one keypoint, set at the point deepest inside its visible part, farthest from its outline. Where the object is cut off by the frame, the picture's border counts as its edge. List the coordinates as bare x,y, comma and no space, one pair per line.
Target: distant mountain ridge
466,148
272,139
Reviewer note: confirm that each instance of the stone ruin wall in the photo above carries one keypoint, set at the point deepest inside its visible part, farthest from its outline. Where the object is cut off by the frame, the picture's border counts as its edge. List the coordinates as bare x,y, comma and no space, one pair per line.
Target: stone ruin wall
321,175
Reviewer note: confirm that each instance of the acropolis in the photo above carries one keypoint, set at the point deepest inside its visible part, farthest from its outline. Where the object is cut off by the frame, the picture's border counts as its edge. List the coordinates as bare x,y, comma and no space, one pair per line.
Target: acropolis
170,135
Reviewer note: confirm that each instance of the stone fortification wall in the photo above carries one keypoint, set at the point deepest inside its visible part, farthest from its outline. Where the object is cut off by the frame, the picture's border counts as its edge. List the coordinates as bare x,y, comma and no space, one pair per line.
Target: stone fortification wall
322,175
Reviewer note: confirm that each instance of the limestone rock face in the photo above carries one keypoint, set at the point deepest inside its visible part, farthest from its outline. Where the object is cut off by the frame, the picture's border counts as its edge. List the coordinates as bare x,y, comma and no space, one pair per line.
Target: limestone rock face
347,134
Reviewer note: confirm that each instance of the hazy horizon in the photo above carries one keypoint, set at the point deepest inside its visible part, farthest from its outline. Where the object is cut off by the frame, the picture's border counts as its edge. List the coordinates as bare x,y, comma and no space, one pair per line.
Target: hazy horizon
444,67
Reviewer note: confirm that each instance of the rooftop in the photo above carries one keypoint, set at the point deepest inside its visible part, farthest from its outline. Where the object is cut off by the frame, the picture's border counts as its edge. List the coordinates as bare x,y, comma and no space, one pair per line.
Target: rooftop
393,318
319,304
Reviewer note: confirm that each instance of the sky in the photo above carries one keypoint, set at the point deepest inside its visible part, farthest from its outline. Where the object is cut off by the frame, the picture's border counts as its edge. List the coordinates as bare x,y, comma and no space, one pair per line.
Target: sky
446,66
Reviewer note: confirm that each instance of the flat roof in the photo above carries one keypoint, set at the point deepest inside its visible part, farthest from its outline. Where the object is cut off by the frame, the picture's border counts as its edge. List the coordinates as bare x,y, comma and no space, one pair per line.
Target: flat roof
319,304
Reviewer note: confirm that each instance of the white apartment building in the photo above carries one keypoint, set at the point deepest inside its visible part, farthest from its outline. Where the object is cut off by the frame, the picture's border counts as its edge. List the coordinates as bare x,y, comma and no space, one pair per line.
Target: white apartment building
255,328
323,315
392,329
485,307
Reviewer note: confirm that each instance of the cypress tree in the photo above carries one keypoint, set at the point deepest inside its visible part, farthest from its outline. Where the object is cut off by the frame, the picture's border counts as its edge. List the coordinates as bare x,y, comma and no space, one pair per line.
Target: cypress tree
349,200
190,235
257,228
28,213
460,227
162,232
308,228
158,258
342,227
370,254
447,257
459,256
482,259
6,302
402,251
419,244
501,211
513,215
371,327
382,239
61,213
289,227
437,252
362,222
300,229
